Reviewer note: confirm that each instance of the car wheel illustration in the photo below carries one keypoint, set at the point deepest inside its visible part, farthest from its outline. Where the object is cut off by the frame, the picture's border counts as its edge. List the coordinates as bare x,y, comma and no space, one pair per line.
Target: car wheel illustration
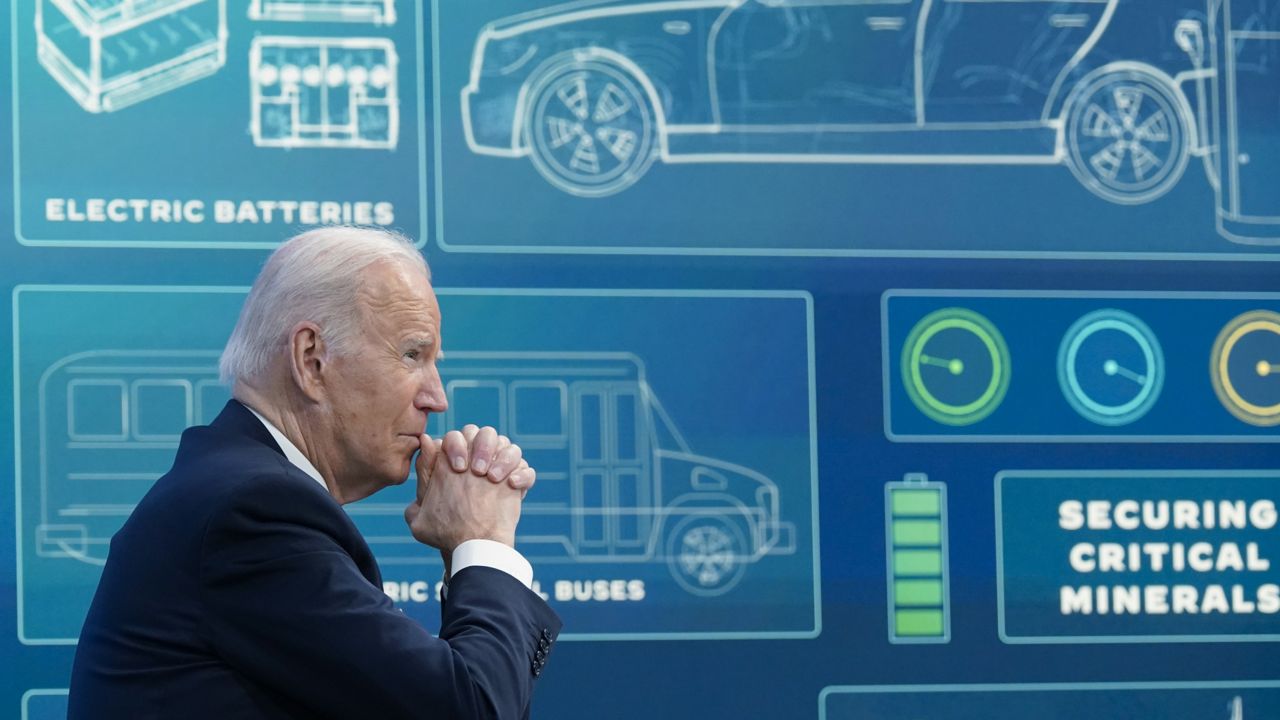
589,128
1127,138
706,554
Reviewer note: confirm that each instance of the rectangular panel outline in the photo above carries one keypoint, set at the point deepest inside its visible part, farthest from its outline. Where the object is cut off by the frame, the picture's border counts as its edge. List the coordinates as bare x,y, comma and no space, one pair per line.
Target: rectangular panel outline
885,360
40,692
1211,206
1107,639
801,295
830,690
424,216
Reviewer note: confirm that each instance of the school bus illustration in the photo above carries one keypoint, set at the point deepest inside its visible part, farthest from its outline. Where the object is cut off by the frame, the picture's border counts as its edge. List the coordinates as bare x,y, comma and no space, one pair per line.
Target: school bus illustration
617,482
110,421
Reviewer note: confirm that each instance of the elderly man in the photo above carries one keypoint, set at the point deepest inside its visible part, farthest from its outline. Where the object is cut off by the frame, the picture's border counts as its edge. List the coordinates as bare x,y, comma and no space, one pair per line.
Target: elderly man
240,589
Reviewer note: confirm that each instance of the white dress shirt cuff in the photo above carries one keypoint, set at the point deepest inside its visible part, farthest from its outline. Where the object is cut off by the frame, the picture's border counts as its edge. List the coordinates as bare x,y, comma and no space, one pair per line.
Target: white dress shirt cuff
489,553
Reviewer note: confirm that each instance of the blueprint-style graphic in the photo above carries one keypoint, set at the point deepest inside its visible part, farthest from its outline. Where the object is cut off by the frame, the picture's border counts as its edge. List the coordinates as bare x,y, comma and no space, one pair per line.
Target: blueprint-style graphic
208,124
44,704
1135,99
109,54
377,12
618,481
649,517
324,92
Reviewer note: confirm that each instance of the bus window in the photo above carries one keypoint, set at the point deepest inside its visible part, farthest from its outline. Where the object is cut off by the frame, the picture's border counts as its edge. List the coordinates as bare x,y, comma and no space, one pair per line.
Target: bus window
97,410
162,409
592,508
212,396
478,402
632,501
590,445
626,427
538,411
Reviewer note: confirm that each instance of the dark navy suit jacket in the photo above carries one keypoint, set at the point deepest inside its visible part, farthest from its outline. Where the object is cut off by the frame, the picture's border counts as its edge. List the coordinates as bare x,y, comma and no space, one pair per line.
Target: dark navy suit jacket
239,588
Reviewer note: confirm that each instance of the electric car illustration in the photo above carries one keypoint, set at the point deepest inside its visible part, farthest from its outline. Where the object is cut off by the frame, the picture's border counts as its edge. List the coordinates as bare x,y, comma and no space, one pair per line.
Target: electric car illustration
593,92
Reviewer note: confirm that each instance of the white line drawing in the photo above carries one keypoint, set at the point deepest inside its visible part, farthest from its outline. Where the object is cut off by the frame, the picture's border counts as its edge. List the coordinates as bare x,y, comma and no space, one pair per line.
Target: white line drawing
44,703
110,421
617,482
324,92
376,12
1243,46
593,93
109,54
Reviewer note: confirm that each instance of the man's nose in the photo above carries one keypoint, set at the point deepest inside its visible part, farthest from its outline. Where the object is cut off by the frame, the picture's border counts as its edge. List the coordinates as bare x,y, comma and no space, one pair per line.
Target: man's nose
431,396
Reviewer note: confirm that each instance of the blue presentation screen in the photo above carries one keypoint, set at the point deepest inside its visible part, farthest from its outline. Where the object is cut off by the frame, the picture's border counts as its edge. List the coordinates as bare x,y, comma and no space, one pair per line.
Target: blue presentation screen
878,358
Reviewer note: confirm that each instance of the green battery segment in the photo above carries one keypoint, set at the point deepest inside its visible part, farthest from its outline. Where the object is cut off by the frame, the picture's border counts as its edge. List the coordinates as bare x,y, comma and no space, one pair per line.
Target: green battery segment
916,544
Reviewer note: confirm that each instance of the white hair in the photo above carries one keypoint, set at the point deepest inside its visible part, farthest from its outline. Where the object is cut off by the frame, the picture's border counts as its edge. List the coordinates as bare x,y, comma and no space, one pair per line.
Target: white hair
315,276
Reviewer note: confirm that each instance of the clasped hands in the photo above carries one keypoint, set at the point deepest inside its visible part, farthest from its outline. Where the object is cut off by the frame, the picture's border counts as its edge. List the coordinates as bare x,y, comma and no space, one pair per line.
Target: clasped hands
470,486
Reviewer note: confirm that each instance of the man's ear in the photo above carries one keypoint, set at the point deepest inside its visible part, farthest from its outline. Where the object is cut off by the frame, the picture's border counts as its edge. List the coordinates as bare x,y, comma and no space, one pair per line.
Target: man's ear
308,360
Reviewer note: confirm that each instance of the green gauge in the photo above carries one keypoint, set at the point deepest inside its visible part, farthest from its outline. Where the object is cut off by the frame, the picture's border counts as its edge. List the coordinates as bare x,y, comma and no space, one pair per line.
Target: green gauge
1110,367
955,366
1245,367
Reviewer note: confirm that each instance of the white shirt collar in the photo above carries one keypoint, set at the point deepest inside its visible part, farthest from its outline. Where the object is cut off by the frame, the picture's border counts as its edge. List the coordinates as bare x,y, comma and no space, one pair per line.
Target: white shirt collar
291,451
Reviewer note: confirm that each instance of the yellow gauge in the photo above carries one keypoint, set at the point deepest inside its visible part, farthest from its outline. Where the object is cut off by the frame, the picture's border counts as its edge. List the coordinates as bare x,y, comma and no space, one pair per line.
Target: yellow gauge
1245,367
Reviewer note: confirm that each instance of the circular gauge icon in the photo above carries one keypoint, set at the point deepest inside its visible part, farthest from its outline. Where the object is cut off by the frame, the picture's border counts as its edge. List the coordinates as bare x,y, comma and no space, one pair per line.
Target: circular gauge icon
1110,367
955,365
1245,367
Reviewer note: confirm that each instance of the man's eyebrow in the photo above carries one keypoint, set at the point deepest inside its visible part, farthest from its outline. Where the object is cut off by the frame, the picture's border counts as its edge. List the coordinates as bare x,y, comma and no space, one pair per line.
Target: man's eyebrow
425,341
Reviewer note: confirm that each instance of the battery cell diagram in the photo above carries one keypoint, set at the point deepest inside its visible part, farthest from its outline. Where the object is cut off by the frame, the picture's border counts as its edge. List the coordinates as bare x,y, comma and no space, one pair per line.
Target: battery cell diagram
304,91
378,12
312,92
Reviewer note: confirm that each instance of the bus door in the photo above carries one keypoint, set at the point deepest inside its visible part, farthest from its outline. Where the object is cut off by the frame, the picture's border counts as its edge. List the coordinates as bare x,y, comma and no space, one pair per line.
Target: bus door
539,414
1252,103
611,476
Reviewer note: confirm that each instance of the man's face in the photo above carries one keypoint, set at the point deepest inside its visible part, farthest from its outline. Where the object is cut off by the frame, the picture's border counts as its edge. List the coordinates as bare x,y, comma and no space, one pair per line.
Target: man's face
383,389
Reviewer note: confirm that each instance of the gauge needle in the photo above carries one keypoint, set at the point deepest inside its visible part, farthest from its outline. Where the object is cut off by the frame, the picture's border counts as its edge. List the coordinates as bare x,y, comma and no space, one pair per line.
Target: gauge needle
1268,368
1111,367
955,366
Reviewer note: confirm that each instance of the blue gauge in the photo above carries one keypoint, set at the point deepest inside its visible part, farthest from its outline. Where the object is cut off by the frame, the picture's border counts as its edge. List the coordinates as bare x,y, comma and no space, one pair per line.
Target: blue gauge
1110,367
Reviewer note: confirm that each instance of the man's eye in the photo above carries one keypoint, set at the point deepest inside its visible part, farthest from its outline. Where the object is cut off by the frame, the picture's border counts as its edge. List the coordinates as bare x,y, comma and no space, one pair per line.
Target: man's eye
412,354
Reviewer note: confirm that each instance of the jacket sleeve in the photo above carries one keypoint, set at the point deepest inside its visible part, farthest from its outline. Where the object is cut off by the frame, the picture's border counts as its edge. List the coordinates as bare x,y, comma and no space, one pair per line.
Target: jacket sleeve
286,605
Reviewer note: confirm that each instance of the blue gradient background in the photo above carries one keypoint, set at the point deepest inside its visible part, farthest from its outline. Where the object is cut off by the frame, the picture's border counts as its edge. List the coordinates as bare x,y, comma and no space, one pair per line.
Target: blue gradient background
978,209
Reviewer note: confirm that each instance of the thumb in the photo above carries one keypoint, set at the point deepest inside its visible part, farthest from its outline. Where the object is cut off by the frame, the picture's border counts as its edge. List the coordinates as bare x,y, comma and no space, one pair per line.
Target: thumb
428,452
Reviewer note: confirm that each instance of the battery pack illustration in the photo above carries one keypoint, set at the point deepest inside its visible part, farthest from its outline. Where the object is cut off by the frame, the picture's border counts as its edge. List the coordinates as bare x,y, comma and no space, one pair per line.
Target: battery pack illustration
916,545
324,92
377,12
109,54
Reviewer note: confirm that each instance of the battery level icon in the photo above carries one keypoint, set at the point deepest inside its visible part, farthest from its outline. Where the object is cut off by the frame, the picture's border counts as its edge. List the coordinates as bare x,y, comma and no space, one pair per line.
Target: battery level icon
916,550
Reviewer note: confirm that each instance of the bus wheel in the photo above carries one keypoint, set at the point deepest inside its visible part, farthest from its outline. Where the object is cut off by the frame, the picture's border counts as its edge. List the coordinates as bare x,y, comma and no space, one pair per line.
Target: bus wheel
707,554
589,128
1127,138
